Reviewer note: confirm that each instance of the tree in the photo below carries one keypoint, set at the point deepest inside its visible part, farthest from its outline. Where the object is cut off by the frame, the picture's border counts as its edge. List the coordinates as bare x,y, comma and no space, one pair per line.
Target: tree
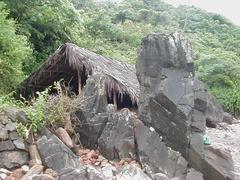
14,51
122,16
47,24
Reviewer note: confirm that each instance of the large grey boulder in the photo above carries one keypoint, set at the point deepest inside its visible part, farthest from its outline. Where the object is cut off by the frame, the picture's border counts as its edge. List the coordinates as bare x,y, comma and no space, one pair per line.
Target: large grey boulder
165,73
214,113
54,153
155,156
178,107
92,104
91,129
117,139
217,164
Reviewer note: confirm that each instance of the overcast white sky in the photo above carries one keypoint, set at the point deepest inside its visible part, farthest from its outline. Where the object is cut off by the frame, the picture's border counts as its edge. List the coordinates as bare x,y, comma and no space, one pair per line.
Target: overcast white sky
228,8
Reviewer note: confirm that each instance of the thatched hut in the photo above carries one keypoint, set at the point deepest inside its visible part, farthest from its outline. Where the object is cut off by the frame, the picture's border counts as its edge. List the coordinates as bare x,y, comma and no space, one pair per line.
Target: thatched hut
74,65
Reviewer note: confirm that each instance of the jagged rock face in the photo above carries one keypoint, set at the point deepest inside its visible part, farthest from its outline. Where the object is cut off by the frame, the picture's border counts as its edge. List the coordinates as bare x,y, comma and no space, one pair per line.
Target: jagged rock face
178,105
91,112
117,138
165,72
165,51
214,113
155,156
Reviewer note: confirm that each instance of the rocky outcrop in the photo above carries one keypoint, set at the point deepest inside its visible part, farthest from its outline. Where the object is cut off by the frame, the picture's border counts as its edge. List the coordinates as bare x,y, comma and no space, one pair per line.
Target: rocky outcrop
177,105
13,150
125,136
165,72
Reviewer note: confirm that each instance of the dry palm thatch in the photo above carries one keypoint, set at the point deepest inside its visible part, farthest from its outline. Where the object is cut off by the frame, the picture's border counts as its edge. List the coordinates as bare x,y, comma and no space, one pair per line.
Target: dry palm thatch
74,65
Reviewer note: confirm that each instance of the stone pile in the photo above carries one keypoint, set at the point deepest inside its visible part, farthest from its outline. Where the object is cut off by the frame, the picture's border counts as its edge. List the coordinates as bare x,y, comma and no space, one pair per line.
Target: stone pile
13,151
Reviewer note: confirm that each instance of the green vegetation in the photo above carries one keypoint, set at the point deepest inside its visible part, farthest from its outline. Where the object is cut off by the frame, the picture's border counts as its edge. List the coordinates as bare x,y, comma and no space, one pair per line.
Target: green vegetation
45,109
32,30
36,115
14,50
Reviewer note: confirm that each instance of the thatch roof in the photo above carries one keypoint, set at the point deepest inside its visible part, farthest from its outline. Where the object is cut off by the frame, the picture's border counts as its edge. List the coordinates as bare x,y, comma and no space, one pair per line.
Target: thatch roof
69,61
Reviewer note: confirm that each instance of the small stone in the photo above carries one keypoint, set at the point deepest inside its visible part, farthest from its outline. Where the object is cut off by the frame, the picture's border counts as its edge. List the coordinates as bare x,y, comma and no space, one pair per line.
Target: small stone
25,168
93,161
5,171
3,176
86,151
51,172
18,173
79,152
3,119
87,162
97,163
64,136
108,171
3,135
100,158
133,162
92,154
6,145
19,144
121,162
13,135
42,177
22,117
11,126
9,178
104,163
37,169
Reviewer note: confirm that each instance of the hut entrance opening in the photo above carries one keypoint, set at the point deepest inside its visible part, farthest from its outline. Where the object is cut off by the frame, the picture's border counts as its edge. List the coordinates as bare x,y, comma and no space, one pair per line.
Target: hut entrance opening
71,81
121,101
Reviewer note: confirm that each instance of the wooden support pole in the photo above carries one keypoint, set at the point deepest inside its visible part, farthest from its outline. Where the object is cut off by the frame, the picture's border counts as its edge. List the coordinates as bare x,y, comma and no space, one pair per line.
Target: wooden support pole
79,84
